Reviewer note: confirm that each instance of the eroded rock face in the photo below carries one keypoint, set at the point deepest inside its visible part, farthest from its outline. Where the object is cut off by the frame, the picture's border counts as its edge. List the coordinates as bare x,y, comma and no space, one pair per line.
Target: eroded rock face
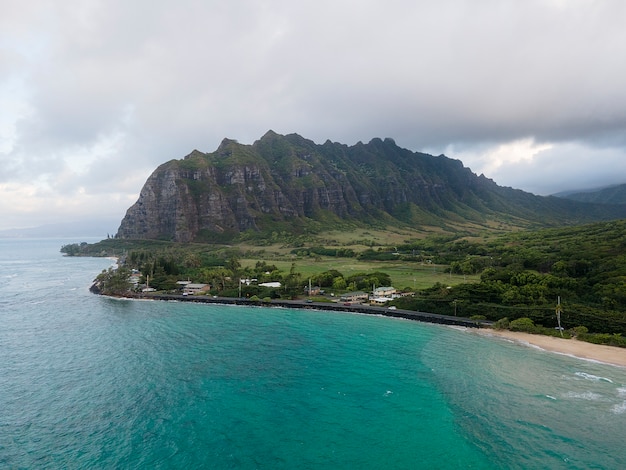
289,180
177,204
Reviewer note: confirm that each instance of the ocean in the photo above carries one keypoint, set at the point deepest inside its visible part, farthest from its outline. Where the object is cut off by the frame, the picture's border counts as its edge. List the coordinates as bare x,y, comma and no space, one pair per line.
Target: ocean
93,382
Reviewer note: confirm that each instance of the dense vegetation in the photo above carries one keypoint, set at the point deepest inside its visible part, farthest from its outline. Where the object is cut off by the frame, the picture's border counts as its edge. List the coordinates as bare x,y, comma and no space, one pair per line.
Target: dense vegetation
523,274
519,275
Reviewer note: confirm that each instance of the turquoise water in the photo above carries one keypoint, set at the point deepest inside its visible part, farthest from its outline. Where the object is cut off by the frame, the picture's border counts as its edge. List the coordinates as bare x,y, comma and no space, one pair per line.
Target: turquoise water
93,382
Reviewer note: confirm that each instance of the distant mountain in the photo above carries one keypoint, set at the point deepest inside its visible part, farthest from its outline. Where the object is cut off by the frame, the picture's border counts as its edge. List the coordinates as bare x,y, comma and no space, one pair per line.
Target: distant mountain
609,195
290,184
81,228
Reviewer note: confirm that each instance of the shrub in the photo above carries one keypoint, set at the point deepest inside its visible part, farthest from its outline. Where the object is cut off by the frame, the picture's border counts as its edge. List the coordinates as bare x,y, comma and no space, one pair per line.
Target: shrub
502,324
522,324
605,338
478,317
579,331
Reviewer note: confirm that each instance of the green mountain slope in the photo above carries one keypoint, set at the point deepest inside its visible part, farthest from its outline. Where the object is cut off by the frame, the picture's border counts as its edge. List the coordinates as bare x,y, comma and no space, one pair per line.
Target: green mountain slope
289,183
609,195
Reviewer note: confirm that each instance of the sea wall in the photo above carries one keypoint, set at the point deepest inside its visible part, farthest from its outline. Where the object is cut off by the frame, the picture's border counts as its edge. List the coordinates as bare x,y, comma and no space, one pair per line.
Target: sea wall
335,307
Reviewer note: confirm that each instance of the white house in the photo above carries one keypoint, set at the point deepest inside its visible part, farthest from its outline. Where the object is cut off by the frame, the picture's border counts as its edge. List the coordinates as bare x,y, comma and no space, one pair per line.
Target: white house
388,292
270,284
192,288
353,296
379,300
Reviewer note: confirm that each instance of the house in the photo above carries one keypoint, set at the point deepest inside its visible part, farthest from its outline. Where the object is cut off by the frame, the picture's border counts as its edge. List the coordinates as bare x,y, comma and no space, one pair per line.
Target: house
134,279
270,284
382,295
313,290
357,296
388,292
192,289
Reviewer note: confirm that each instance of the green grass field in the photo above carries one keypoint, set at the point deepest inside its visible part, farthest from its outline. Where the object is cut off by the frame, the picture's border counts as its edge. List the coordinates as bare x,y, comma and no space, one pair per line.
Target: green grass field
403,275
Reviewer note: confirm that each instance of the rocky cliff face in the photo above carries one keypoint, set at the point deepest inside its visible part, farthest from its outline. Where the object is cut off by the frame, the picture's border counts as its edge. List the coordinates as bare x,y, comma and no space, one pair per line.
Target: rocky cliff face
289,181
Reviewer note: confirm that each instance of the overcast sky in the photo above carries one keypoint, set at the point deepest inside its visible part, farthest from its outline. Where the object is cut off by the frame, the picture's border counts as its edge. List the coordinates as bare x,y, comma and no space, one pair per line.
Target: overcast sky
94,95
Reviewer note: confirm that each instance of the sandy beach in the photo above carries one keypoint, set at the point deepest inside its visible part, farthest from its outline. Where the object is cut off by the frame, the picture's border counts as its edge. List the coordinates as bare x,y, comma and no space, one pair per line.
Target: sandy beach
572,347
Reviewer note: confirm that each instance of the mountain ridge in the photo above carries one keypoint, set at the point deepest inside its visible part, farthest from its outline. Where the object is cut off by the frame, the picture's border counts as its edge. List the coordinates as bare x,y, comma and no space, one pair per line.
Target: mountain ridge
287,182
613,194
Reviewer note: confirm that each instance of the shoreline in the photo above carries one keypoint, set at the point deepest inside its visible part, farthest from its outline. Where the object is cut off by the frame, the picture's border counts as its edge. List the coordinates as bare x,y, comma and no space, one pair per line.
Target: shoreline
610,355
303,304
570,347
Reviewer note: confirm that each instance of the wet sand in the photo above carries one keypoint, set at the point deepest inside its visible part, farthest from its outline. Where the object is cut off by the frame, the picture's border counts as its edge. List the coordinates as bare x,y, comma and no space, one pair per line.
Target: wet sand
572,347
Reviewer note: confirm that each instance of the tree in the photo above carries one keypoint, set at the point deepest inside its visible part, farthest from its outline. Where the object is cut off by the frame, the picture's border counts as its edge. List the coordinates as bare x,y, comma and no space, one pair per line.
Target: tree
73,249
216,277
233,265
327,278
159,280
339,283
114,281
192,260
292,281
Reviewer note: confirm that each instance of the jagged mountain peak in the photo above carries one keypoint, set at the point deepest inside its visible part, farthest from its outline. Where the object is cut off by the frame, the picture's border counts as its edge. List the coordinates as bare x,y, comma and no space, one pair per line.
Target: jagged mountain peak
194,154
270,134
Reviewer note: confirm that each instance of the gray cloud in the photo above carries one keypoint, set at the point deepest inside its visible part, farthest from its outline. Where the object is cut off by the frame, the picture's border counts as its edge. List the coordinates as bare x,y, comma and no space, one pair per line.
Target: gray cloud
109,90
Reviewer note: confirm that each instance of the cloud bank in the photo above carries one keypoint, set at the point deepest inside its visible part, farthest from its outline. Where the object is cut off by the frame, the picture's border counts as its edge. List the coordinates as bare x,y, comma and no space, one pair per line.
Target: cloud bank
97,94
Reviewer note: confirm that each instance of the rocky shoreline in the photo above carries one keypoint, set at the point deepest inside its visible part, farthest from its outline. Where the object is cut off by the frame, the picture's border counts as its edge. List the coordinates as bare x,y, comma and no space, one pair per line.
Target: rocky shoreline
331,306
